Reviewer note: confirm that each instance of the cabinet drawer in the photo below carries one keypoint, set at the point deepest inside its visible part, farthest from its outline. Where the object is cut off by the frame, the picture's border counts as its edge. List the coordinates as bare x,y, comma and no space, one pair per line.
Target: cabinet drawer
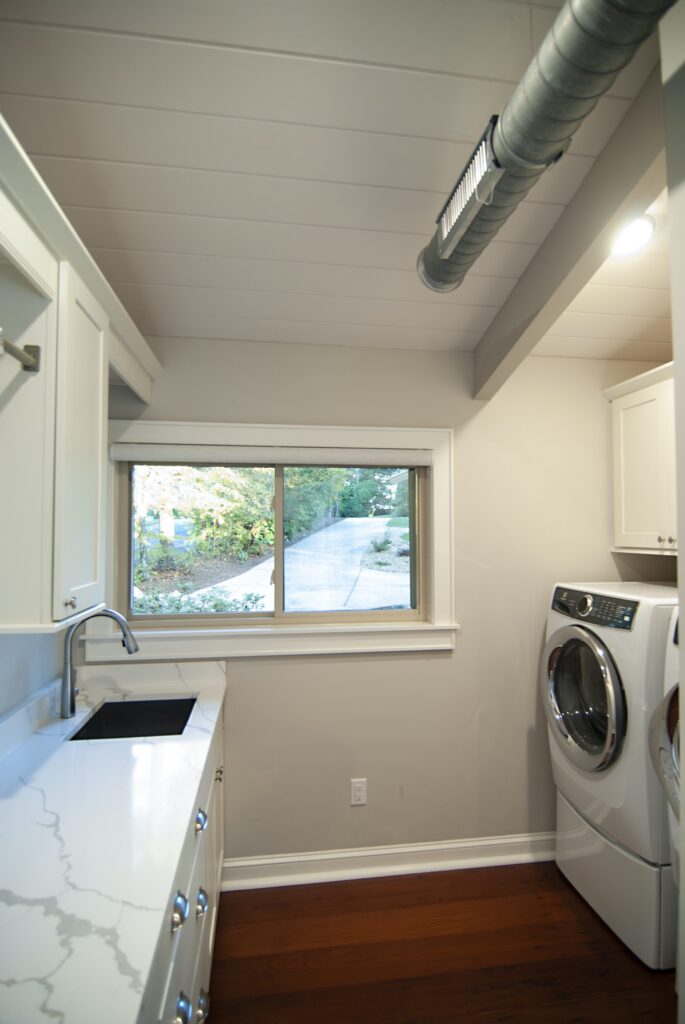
177,947
189,938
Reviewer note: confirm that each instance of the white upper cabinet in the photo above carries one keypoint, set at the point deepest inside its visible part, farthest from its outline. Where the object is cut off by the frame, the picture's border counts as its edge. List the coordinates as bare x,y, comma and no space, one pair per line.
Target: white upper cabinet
52,435
644,463
80,448
53,420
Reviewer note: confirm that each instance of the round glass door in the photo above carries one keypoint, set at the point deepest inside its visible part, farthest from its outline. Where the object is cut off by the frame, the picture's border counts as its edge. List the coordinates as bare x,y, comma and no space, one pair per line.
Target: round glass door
583,698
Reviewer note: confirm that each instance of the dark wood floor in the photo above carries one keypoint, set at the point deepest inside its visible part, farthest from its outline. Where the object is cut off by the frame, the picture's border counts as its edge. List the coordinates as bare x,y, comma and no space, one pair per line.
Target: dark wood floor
509,944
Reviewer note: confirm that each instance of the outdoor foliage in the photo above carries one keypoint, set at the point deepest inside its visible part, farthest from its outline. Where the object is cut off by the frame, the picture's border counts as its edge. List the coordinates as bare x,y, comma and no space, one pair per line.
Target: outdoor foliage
188,517
184,603
311,498
230,509
367,492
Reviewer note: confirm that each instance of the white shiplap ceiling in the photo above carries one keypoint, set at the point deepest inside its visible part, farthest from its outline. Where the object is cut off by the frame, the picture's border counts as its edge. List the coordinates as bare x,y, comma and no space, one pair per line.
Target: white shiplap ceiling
269,170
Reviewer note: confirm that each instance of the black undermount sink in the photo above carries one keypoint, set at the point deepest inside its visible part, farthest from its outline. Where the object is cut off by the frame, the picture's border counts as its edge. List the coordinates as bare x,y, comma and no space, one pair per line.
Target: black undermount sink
135,718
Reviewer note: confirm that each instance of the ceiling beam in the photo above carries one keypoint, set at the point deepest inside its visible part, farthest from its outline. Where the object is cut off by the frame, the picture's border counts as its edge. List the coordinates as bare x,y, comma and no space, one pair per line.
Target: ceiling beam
625,178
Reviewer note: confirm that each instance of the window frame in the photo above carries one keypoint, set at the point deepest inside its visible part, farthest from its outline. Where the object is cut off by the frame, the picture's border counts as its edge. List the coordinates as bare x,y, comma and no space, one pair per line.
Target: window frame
435,630
279,614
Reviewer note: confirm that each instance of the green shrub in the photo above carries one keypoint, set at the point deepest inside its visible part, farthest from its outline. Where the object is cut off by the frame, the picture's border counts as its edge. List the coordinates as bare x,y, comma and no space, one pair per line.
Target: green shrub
381,543
184,603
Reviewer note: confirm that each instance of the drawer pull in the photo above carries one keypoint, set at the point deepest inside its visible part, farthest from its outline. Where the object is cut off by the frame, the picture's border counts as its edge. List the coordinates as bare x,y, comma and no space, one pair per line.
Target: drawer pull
184,1010
201,821
202,1012
180,911
201,903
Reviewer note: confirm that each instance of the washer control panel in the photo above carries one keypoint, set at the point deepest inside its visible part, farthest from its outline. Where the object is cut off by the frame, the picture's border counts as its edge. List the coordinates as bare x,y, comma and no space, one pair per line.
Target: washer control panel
598,609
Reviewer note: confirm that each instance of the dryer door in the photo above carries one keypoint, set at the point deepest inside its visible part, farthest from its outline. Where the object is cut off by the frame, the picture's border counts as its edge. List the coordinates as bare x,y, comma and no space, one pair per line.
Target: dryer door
583,698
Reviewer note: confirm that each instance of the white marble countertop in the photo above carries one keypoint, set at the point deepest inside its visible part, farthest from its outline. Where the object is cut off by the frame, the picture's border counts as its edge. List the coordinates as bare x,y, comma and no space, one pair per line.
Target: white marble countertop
90,838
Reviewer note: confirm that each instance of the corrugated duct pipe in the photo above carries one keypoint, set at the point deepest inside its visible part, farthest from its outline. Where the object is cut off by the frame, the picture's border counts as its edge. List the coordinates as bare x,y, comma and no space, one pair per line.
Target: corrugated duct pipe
590,42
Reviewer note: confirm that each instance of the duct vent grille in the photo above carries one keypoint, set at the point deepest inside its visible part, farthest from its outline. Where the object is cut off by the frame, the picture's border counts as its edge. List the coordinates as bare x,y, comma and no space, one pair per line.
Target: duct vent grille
473,190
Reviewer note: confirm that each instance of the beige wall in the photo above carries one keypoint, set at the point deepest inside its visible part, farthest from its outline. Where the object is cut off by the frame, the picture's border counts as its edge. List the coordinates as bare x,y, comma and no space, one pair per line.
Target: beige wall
453,745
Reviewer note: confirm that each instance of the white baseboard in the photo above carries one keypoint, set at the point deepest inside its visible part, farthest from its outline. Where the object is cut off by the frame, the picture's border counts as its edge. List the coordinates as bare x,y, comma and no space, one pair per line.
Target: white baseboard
375,861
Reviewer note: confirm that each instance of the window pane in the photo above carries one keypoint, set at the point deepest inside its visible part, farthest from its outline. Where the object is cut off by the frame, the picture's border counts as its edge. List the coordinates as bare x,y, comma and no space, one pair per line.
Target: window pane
349,539
202,539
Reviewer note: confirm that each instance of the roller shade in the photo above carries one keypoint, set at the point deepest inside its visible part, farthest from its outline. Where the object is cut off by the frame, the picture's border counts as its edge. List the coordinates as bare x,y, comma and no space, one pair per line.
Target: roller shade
262,455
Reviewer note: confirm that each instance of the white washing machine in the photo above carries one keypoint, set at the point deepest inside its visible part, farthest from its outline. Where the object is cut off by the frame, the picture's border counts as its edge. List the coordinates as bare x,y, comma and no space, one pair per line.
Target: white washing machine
664,741
602,676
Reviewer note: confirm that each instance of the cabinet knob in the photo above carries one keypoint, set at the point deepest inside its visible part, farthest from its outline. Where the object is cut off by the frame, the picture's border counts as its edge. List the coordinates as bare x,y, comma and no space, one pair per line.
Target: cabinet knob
672,540
201,821
180,911
70,602
184,1010
202,1012
201,902
219,774
661,539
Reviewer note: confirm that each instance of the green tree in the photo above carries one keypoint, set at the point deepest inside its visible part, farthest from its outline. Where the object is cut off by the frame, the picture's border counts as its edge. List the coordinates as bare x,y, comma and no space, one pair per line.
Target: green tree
367,492
311,497
230,507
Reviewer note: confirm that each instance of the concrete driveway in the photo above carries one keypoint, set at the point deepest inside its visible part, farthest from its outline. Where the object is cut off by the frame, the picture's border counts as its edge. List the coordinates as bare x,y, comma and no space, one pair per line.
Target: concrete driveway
323,572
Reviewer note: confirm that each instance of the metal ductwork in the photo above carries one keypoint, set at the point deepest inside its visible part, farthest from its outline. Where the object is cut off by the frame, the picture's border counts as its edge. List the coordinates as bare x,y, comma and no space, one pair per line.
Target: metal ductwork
590,42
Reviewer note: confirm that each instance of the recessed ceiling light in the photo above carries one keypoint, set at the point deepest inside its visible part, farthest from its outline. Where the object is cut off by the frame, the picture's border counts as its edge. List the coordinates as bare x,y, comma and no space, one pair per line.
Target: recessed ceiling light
633,236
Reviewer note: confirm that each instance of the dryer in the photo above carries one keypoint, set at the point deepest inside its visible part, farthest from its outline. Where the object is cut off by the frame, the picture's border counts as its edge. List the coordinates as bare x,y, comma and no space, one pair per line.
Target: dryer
664,741
601,677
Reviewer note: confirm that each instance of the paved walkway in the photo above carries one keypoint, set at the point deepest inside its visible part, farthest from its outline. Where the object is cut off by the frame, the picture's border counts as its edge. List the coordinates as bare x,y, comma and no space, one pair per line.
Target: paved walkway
323,572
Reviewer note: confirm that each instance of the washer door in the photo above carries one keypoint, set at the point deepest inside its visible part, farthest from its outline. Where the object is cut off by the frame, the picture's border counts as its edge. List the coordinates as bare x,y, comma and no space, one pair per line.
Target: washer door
583,698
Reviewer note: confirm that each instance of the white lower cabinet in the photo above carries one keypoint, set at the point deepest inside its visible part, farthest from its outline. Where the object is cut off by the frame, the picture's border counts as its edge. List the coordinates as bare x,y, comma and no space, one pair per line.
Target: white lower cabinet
178,988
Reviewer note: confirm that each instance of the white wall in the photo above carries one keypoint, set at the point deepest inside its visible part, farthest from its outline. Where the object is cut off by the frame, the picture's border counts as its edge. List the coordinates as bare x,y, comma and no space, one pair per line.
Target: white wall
672,41
453,745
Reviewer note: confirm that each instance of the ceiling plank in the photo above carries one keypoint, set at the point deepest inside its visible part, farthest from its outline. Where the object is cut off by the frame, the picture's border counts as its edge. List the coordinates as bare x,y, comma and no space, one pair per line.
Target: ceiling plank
257,240
279,305
491,38
622,183
299,332
605,348
122,266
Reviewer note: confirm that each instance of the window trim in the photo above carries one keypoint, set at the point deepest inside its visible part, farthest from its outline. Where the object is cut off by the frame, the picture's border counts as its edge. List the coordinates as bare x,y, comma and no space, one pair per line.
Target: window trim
436,630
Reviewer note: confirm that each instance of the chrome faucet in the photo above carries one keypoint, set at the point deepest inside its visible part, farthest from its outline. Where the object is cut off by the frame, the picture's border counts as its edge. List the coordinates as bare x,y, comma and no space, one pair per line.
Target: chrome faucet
69,690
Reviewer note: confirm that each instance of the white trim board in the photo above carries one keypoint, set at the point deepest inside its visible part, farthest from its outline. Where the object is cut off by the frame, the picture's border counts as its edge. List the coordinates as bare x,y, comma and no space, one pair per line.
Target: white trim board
433,446
378,861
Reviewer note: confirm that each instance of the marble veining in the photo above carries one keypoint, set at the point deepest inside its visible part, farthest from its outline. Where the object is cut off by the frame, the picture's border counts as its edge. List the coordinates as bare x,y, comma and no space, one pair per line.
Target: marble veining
90,838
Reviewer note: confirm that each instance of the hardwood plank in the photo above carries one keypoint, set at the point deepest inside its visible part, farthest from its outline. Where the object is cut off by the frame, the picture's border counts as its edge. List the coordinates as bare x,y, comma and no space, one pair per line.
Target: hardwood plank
509,944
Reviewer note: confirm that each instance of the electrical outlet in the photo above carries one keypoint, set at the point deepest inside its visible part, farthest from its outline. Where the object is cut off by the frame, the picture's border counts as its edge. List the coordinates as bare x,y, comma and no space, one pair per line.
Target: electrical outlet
357,792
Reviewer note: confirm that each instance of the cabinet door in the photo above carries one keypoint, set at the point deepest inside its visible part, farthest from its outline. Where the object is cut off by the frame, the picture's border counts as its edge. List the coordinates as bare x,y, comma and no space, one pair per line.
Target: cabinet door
80,448
644,468
28,316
